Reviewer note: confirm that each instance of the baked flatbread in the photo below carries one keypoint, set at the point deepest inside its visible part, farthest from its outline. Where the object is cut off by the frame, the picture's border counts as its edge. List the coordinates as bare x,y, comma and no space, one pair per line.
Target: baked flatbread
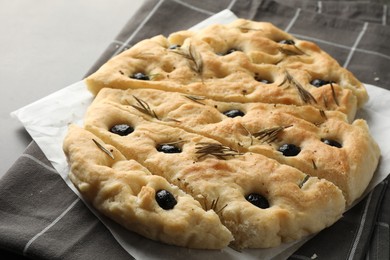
288,204
241,62
237,135
330,147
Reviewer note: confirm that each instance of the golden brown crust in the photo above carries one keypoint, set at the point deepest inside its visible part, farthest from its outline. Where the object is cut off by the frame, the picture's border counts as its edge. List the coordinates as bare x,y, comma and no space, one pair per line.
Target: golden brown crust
298,206
125,191
232,182
199,67
350,167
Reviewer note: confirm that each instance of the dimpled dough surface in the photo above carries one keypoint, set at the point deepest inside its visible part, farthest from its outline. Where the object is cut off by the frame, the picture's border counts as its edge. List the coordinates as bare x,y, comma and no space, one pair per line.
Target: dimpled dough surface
237,135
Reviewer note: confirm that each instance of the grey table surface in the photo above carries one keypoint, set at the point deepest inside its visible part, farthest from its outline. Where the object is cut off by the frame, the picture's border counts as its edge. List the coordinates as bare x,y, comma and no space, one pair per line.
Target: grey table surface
47,45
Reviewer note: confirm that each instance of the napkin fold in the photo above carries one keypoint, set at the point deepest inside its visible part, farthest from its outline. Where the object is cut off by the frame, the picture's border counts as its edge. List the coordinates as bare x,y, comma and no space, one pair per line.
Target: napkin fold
41,218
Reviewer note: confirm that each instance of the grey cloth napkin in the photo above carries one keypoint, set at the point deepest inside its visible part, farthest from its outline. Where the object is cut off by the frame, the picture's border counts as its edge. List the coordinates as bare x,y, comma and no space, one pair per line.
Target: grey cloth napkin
41,218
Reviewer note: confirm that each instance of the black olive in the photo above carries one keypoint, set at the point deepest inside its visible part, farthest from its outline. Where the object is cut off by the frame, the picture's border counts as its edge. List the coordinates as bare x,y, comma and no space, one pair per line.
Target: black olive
121,129
319,82
233,113
165,199
140,76
258,200
288,42
257,78
331,142
263,81
174,46
230,51
289,149
168,148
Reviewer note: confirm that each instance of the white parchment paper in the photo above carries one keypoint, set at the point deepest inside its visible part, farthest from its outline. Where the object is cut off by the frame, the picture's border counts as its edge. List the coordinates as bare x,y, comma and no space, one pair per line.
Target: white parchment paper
47,120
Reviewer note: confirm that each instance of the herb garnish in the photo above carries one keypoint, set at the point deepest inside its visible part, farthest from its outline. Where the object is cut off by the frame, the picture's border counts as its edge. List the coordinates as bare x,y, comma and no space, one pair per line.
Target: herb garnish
104,149
193,56
217,150
303,93
300,185
270,134
246,29
289,52
325,100
213,206
196,99
322,113
249,133
334,94
314,164
144,108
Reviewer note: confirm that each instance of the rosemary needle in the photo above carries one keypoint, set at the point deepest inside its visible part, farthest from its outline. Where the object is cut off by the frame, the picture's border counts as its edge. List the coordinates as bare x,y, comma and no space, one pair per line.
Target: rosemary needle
217,150
270,134
305,95
144,108
104,149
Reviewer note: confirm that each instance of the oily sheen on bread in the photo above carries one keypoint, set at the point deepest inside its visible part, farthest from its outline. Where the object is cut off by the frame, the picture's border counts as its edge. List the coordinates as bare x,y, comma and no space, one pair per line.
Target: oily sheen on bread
221,186
241,62
263,128
235,135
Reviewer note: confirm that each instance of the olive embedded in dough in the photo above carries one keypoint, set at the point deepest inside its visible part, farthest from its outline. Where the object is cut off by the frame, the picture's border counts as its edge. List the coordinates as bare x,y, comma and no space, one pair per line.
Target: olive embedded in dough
165,199
174,46
168,148
319,82
257,200
289,149
331,142
233,113
288,42
122,129
140,76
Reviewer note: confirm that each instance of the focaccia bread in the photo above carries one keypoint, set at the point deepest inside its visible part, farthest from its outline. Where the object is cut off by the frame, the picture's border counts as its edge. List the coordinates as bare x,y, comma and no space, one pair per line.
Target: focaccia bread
261,202
236,135
124,190
241,62
320,143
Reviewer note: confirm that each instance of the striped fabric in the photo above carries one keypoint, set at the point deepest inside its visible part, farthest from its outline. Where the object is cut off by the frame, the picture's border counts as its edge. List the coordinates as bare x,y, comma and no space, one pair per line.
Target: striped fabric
41,218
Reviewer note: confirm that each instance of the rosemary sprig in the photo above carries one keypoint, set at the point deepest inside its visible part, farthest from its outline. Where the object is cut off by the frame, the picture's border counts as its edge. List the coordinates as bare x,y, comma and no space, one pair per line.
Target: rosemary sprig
196,58
303,93
300,185
104,149
217,150
325,100
196,99
248,132
322,113
214,205
144,108
246,29
334,94
171,120
314,164
270,134
289,52
291,42
193,56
